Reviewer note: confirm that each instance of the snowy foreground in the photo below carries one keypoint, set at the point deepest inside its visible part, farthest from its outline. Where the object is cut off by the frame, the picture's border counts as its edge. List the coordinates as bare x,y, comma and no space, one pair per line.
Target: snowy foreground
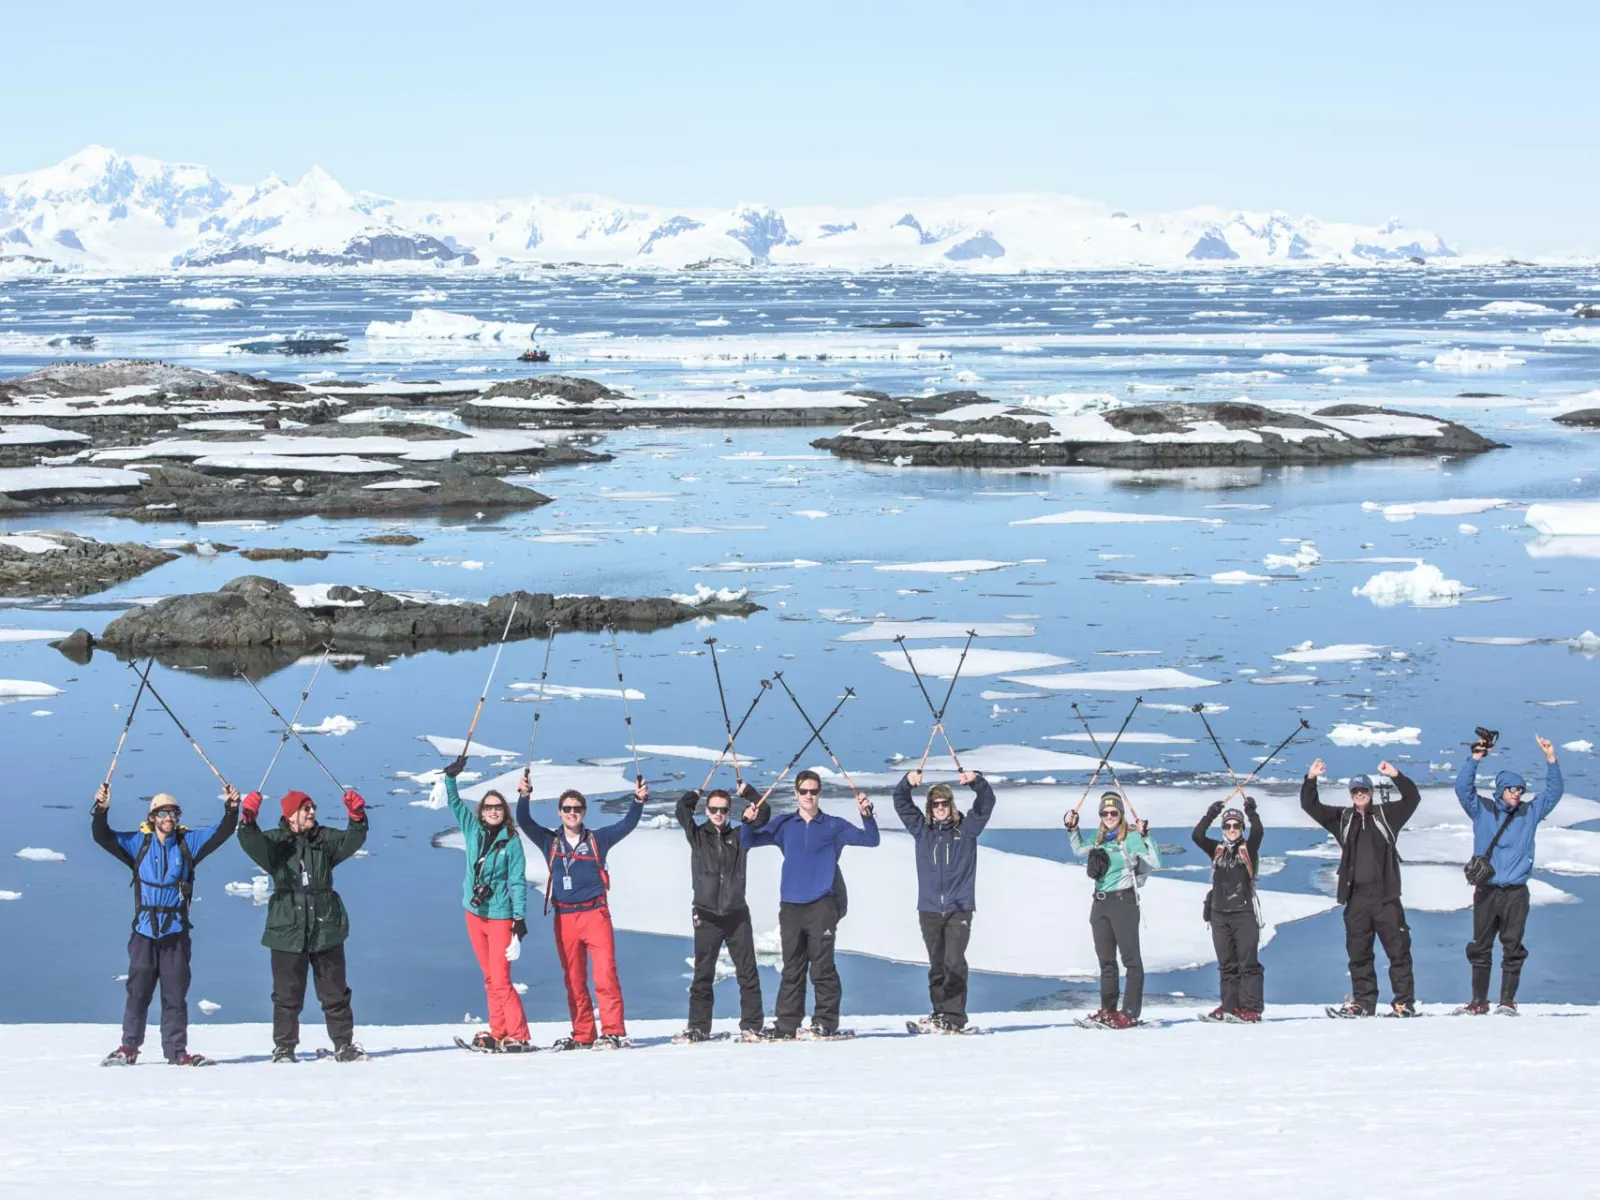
1299,1107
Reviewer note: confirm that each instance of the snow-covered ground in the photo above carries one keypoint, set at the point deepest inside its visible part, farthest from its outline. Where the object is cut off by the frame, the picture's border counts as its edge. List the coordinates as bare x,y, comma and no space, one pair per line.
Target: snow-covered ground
1298,1107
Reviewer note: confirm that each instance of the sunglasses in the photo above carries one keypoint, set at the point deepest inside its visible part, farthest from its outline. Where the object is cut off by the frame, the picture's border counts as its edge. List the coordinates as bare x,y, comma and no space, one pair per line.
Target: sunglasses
577,808
941,803
172,814
1517,790
494,808
1109,812
715,809
808,791
1232,825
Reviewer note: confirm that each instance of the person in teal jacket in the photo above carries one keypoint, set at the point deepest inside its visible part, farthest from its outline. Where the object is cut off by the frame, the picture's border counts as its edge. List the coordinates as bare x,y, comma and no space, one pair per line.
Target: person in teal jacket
1509,822
1119,858
495,896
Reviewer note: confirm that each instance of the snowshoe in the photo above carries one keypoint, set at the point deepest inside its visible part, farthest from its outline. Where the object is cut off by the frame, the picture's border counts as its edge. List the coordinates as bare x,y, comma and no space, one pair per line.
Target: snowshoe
690,1037
1349,1010
1506,1008
1244,1016
283,1054
484,1040
192,1060
512,1046
1109,1019
751,1035
1402,1010
122,1056
568,1043
1478,1008
821,1033
773,1033
1217,1015
491,1046
613,1041
350,1052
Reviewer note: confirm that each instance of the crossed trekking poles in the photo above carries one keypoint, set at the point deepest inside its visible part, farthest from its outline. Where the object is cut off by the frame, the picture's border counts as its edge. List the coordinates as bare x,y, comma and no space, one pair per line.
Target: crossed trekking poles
938,712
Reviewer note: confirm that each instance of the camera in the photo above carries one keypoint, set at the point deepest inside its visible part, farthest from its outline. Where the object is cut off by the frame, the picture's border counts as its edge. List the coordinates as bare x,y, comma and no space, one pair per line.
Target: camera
1486,739
482,893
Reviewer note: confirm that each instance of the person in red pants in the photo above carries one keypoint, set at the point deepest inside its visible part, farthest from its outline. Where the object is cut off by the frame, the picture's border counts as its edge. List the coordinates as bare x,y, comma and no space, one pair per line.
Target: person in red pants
495,896
577,887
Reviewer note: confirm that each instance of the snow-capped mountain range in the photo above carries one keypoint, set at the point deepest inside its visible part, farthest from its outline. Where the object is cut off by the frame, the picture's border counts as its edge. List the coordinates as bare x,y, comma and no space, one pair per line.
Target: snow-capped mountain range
107,212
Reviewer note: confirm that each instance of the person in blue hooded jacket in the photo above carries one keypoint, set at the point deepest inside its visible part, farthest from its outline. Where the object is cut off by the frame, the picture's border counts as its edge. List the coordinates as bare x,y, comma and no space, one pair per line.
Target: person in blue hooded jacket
162,855
947,877
1500,906
808,910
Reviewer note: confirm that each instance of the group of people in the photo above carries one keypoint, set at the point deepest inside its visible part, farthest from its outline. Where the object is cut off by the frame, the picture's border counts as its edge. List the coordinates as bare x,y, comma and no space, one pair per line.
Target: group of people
307,924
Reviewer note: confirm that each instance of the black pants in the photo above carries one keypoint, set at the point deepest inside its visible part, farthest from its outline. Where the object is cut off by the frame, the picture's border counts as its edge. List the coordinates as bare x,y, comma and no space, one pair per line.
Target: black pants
1367,915
289,994
1236,937
711,930
1114,921
166,960
808,933
1503,911
946,936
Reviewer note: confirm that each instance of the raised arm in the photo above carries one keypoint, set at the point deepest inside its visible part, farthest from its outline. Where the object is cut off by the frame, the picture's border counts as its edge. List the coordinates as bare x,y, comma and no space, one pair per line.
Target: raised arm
1252,842
762,832
906,808
459,808
685,814
205,842
609,835
1550,795
108,839
531,829
1208,845
1311,801
977,818
1467,788
266,852
1138,845
1402,810
866,835
1079,847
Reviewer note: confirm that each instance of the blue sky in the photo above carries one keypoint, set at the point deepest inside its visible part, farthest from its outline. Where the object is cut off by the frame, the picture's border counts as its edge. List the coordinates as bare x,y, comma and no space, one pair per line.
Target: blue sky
1478,120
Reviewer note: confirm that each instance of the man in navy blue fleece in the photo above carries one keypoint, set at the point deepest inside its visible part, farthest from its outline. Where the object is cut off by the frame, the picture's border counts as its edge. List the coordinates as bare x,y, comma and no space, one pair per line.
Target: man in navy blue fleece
808,909
1500,906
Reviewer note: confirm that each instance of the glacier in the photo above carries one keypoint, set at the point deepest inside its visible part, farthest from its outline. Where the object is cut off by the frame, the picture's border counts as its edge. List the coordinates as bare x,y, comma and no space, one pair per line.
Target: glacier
104,212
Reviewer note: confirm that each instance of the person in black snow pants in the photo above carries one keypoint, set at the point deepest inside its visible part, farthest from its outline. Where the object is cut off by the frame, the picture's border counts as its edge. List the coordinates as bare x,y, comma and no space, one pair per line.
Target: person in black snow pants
1369,885
162,855
719,911
947,875
1230,908
1123,857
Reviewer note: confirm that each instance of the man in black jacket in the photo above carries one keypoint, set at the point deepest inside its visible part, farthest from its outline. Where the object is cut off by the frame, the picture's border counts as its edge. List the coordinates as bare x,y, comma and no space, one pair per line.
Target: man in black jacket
1369,885
717,867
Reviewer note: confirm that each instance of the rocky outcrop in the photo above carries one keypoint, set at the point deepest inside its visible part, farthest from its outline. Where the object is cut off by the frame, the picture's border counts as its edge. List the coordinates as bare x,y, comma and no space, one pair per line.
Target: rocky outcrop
77,566
1150,435
262,621
1583,418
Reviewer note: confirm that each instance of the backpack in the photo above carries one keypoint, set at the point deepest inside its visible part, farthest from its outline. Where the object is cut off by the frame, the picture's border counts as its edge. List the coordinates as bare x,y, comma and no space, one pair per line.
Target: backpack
163,916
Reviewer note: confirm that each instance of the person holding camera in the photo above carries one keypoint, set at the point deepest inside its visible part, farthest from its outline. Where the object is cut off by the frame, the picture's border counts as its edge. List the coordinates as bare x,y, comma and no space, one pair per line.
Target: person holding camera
1504,827
1118,860
495,896
719,911
1369,885
576,858
1230,909
947,884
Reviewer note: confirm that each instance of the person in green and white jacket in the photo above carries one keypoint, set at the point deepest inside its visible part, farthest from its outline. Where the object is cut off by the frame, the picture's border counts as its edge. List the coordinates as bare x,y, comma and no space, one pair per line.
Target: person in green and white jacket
1129,854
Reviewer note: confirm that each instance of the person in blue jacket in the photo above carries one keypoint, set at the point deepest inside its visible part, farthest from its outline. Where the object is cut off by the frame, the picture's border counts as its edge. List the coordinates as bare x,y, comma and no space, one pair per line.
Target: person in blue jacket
1500,906
162,855
808,910
947,876
575,856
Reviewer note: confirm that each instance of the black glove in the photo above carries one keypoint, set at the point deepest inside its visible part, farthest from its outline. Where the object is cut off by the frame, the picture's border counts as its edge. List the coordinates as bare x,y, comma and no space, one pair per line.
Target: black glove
748,794
456,767
520,928
1215,811
1250,805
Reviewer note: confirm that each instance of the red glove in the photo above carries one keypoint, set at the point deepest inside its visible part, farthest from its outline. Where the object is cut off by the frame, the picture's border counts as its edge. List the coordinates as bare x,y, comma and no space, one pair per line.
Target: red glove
250,807
355,805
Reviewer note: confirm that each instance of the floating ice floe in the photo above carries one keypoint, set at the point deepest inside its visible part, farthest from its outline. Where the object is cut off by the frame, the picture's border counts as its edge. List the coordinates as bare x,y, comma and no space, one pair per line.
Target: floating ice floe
4,895
1464,360
954,566
1433,508
1578,519
1144,679
258,890
1095,517
913,631
757,566
434,324
1424,586
1581,746
940,661
1431,888
1374,733
1343,652
1503,308
25,689
1247,577
1574,333
1306,556
563,691
335,726
1129,737
40,854
1270,680
551,779
1499,641
454,747
26,480
205,303
1587,642
698,753
705,595
208,1007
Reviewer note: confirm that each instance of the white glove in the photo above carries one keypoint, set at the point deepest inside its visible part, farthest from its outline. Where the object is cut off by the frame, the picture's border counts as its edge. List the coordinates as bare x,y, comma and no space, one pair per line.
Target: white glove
514,949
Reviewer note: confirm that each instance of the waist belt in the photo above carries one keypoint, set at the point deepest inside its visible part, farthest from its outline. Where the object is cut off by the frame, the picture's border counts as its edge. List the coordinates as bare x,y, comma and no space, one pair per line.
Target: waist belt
579,906
1116,895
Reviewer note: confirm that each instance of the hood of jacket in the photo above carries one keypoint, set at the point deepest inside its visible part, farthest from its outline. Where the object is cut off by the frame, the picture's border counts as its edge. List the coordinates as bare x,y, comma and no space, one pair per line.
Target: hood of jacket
1507,779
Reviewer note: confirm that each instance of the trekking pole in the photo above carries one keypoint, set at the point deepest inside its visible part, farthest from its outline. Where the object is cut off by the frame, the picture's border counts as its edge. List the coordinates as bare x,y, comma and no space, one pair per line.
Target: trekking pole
185,732
288,728
727,724
493,667
144,680
627,716
1106,761
1105,758
778,675
538,703
1239,787
766,686
1200,711
938,713
284,739
815,733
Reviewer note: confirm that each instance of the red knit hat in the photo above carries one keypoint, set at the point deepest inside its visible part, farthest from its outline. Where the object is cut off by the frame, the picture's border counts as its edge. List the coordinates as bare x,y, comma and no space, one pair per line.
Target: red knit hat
294,802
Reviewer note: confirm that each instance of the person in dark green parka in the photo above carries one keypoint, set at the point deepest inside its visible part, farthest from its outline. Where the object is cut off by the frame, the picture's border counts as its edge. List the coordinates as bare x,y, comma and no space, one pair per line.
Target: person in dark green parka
306,921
